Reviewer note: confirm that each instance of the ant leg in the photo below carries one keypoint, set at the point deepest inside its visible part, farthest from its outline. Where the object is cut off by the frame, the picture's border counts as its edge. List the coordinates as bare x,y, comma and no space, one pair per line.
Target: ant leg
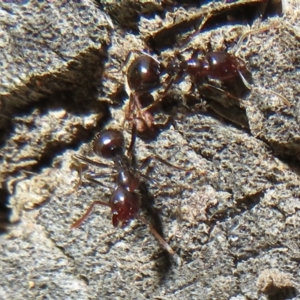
92,162
129,108
93,178
169,120
197,31
88,212
143,119
233,113
163,161
80,177
133,106
252,88
157,235
77,158
79,170
133,139
160,98
148,159
148,178
163,186
236,101
218,11
249,87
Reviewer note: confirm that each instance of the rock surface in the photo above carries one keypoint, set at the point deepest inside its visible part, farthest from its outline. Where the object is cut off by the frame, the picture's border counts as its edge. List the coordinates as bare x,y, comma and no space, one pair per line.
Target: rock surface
233,221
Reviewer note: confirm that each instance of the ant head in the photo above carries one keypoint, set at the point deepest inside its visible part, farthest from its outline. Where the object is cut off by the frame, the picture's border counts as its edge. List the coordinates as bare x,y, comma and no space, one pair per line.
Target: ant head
109,144
144,74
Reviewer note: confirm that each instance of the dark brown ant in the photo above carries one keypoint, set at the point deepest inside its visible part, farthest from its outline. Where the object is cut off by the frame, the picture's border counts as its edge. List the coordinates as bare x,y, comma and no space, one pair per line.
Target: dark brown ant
217,65
220,66
144,76
125,201
220,72
145,72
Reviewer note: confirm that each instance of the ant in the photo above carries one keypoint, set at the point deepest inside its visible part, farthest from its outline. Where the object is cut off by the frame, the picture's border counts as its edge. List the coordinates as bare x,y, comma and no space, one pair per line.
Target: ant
145,72
143,76
125,201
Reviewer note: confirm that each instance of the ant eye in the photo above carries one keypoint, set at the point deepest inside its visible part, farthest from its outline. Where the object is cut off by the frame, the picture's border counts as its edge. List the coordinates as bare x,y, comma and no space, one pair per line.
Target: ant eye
143,74
109,143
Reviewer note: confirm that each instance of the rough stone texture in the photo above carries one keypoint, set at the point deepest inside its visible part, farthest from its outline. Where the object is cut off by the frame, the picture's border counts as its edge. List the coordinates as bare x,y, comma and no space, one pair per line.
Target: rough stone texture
233,222
39,63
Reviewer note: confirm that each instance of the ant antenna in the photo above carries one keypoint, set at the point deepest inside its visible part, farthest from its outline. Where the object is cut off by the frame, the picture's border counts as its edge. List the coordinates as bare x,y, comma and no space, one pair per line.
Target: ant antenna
252,88
253,31
246,83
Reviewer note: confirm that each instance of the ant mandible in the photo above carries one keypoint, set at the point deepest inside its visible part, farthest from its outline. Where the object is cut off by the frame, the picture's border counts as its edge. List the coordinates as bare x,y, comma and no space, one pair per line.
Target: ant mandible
125,201
145,72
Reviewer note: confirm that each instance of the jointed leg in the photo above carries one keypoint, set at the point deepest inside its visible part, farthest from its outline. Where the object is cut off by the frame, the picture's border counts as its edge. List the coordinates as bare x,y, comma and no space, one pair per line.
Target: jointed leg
88,212
157,235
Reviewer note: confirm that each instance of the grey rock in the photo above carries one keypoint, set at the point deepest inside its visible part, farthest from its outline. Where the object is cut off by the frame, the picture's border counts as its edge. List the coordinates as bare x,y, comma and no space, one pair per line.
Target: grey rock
233,221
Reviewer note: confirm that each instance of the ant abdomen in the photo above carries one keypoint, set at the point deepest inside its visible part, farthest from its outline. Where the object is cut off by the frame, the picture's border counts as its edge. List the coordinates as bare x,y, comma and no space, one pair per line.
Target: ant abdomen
109,144
125,206
143,75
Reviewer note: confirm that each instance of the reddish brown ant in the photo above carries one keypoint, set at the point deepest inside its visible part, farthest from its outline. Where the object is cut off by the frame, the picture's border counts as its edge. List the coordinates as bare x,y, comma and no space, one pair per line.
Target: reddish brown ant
125,201
227,69
143,76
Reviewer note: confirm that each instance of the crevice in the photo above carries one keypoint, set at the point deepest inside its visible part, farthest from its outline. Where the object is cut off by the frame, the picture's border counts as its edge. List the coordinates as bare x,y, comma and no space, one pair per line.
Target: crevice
5,211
